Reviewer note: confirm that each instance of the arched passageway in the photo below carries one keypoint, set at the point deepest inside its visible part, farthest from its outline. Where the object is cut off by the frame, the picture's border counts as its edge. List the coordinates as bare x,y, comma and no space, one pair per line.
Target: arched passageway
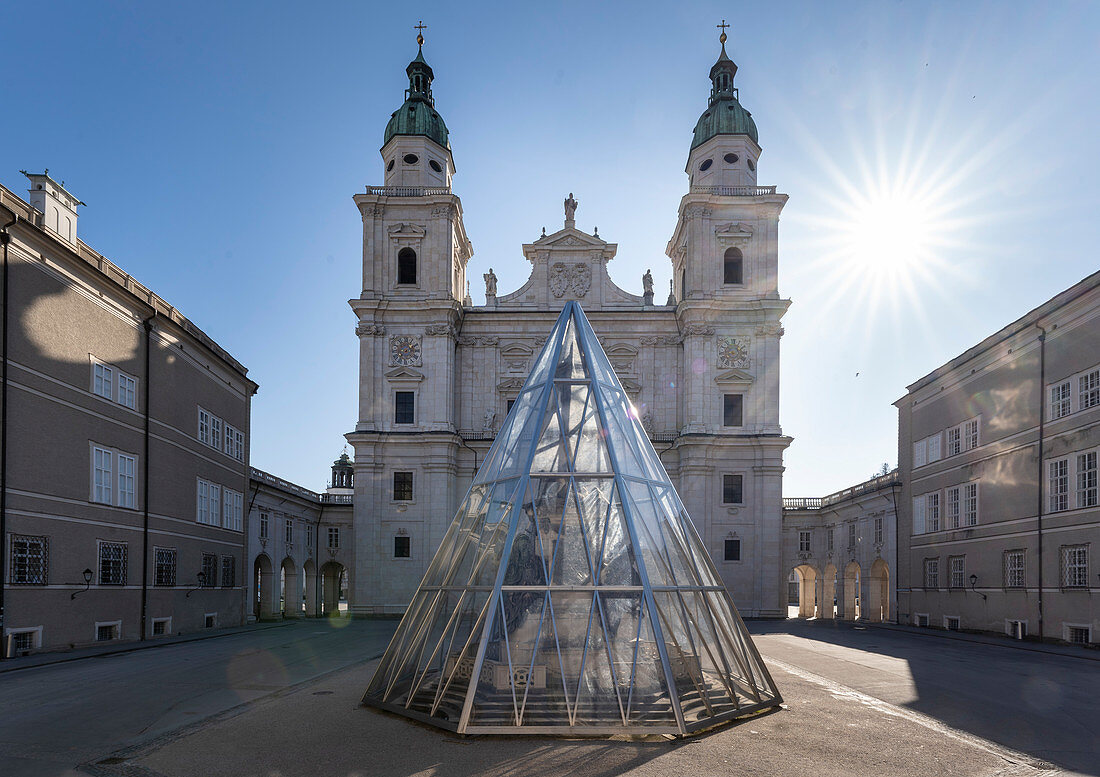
827,606
878,593
263,587
851,591
807,590
313,600
792,594
290,588
333,587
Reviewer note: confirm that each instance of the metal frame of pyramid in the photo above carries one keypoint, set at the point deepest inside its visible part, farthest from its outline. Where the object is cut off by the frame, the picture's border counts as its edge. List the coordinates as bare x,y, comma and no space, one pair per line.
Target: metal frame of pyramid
571,593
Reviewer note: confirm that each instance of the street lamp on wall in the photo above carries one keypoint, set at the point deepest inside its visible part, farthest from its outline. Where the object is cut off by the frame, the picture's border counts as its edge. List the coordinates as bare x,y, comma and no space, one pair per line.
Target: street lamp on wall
973,582
201,577
87,584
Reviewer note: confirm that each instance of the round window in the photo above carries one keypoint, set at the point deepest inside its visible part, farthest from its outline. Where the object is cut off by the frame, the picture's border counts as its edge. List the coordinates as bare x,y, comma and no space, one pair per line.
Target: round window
731,158
389,166
410,159
752,165
706,164
435,165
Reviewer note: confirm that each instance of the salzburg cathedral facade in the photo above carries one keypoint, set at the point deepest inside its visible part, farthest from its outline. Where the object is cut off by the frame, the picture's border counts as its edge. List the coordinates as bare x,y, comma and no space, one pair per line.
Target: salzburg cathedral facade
438,374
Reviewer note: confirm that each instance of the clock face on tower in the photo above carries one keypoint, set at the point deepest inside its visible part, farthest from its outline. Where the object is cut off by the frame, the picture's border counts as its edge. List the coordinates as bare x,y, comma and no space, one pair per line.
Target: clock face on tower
405,350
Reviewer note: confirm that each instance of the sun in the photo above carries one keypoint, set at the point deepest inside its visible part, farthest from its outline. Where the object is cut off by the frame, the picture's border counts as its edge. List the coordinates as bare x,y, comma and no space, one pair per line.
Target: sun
889,233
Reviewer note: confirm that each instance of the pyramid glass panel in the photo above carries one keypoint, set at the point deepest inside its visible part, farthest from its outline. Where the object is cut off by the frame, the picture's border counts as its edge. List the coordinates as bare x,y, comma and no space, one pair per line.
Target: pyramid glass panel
571,593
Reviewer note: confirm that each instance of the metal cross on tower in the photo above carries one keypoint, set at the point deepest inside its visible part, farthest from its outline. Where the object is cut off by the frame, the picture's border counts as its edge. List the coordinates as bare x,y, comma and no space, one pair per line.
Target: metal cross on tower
420,27
723,26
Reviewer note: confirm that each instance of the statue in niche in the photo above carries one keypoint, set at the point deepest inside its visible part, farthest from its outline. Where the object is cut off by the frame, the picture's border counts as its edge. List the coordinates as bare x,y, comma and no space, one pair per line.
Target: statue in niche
647,284
489,421
490,283
570,208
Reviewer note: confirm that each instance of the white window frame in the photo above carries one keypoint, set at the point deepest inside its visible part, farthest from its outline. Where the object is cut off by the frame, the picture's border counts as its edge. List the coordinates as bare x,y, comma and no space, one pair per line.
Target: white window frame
167,627
948,625
960,563
102,474
204,426
1088,389
952,517
334,532
264,524
935,452
933,507
878,531
216,425
932,573
288,531
1014,572
1061,400
920,453
970,504
232,503
1086,626
805,541
210,620
208,506
829,539
954,441
127,480
972,433
36,640
1074,565
919,523
103,380
233,444
127,390
1086,476
1058,479
852,534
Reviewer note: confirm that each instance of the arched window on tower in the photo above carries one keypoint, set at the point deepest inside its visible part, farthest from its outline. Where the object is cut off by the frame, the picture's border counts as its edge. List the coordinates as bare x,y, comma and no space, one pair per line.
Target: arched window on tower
733,266
406,266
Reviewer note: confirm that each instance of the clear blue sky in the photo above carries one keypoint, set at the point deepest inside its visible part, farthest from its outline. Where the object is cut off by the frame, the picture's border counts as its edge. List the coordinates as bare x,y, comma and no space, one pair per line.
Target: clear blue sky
218,146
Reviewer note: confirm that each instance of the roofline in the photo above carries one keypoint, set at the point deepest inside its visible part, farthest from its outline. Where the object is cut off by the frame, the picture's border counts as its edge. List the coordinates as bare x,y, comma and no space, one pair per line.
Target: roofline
52,180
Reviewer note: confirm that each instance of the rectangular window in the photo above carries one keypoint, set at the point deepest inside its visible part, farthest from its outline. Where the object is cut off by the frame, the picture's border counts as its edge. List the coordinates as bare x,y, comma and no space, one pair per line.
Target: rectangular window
112,563
309,535
232,516
102,466
127,465
127,391
851,535
404,407
931,573
932,508
1060,404
209,503
263,525
878,531
732,493
951,622
1086,479
957,568
234,443
402,486
1014,569
1075,566
954,507
215,432
1088,392
1077,635
1058,472
970,504
103,382
402,547
204,427
829,539
209,570
288,534
161,626
733,550
733,406
508,406
334,536
920,453
164,567
804,541
934,453
970,434
229,571
106,632
29,559
919,523
954,441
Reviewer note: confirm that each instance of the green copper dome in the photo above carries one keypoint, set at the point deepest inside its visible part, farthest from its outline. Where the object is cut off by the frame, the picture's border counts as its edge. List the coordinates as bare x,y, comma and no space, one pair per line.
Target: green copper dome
418,116
724,114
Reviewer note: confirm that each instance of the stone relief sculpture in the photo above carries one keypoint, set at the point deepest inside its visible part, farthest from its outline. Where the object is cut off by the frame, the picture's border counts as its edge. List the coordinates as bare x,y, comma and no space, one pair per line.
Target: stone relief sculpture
489,421
577,278
732,353
581,279
558,279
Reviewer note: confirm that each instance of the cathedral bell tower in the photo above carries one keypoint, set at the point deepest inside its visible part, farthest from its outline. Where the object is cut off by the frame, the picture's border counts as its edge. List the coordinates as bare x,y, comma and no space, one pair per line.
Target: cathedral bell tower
409,310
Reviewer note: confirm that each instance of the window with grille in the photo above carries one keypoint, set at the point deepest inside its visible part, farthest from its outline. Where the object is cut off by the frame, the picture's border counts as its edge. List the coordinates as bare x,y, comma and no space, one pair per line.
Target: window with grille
1088,394
851,535
402,486
160,626
263,525
970,504
804,541
164,567
209,570
970,434
733,409
1014,569
878,531
957,568
951,622
29,559
932,511
404,407
733,550
931,573
112,563
1086,479
1060,404
1075,566
106,632
1077,635
23,641
102,469
229,571
1058,472
334,536
402,547
732,489
954,441
954,507
288,533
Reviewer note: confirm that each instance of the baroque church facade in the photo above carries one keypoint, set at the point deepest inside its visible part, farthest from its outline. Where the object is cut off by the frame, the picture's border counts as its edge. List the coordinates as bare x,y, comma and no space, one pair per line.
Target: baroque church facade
438,374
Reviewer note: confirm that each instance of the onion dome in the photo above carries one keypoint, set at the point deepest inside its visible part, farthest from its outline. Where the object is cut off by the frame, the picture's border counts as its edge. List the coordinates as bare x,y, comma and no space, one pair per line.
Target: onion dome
724,114
418,116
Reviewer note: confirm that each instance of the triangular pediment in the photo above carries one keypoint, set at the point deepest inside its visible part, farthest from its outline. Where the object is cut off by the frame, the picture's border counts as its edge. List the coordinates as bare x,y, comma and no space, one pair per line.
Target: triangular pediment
570,238
405,229
572,592
733,229
404,374
734,378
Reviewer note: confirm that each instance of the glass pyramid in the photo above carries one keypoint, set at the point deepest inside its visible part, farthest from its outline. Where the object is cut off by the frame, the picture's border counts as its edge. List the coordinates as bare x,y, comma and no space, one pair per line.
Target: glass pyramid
571,593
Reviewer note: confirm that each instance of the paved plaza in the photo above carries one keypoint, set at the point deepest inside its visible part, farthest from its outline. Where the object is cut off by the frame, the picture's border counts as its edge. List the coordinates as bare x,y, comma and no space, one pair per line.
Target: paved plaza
284,701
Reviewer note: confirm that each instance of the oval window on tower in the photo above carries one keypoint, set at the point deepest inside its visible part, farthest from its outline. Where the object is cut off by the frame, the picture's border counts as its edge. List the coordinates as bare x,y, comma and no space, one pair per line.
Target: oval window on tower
410,159
752,165
389,166
731,158
706,164
435,165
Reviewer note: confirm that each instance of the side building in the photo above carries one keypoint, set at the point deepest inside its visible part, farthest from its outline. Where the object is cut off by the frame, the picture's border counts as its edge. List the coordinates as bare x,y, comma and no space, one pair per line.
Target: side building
300,546
841,551
998,454
125,444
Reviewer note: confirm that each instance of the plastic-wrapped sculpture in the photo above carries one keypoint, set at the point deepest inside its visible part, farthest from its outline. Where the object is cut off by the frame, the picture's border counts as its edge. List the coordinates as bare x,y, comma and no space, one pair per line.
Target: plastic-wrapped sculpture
571,593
